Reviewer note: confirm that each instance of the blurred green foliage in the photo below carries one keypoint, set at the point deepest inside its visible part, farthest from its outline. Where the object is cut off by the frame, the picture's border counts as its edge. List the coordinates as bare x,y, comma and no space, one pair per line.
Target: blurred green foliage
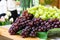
48,1
26,4
6,22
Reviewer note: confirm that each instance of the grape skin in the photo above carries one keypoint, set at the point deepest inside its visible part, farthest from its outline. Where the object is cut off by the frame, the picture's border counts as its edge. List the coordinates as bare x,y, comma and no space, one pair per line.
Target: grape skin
30,25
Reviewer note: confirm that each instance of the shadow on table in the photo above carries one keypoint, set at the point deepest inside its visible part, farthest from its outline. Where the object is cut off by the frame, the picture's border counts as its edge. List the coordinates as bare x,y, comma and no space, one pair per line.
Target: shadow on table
4,38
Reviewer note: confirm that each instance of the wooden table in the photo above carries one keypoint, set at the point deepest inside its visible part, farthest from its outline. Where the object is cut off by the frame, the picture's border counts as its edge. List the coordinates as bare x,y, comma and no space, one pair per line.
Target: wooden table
4,35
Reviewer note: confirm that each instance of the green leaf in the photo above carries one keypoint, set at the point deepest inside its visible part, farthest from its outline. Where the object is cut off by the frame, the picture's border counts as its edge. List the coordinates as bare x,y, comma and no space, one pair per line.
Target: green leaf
8,22
19,31
25,4
3,23
42,35
0,23
17,0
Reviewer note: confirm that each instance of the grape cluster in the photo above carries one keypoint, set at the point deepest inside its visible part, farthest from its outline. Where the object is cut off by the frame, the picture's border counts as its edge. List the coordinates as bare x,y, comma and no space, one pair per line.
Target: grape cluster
46,25
27,15
44,12
30,25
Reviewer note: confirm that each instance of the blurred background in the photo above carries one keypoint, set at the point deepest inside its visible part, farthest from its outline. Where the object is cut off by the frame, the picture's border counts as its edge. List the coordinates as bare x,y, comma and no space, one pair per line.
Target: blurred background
11,9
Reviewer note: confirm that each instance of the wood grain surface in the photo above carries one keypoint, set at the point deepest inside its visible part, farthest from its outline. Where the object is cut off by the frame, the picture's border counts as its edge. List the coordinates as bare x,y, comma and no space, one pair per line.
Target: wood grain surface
4,35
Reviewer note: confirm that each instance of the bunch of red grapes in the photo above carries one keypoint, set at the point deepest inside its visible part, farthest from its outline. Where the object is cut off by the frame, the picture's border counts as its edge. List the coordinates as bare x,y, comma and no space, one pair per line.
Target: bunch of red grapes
30,25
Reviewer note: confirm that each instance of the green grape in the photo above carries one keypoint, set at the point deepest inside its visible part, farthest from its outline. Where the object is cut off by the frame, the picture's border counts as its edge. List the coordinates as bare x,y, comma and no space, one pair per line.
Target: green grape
58,17
33,8
45,9
32,12
41,7
40,11
36,14
56,14
45,12
43,16
48,16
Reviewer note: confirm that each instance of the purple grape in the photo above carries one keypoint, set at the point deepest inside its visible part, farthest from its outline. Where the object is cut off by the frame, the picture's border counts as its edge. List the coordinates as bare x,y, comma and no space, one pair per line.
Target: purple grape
30,25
